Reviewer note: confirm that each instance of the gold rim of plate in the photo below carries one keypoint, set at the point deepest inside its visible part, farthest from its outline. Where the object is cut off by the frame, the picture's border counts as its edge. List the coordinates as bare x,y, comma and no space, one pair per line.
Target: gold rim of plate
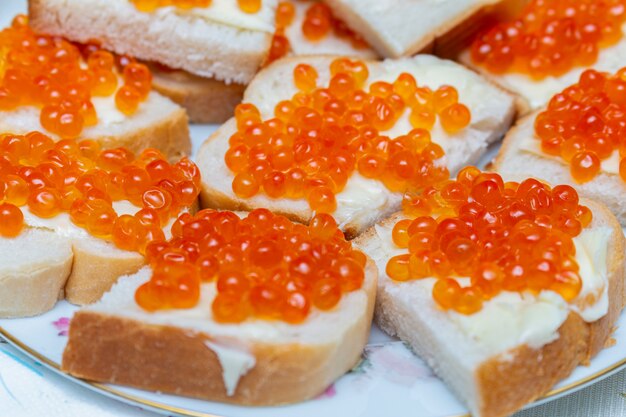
188,413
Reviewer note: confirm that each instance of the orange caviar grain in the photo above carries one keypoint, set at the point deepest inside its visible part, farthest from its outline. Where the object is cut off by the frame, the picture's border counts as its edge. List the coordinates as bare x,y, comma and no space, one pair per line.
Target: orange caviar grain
11,220
502,236
249,6
285,13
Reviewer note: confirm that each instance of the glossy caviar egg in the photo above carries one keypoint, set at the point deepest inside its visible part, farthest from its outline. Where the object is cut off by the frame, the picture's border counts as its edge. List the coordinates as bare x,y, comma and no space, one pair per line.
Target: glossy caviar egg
502,236
60,78
318,139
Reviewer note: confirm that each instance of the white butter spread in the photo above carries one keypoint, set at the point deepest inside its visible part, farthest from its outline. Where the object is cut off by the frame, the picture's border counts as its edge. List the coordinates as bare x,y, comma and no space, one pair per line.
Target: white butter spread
235,364
227,12
361,199
107,110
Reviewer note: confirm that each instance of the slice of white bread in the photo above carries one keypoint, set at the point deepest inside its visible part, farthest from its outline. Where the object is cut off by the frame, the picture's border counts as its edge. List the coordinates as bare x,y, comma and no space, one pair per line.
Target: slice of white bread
396,28
158,123
515,160
532,94
509,357
363,201
219,41
185,352
34,267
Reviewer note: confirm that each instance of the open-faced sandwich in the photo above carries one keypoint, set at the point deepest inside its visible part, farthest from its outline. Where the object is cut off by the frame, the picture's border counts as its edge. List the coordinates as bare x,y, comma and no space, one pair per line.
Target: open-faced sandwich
548,46
502,287
349,137
251,310
74,217
578,139
73,91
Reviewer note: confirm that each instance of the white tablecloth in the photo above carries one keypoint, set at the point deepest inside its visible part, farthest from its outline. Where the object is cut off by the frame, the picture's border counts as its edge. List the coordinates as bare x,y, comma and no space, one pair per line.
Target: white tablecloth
27,389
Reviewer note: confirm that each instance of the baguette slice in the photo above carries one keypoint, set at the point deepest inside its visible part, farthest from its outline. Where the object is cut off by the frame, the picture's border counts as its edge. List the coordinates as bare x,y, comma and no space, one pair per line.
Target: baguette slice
185,352
34,267
397,28
363,201
219,41
501,359
531,94
208,100
515,159
158,123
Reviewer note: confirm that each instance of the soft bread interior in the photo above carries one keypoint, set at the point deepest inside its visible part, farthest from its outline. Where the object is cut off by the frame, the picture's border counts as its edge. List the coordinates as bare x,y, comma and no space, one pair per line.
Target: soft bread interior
515,161
536,94
33,269
459,348
363,201
401,28
220,41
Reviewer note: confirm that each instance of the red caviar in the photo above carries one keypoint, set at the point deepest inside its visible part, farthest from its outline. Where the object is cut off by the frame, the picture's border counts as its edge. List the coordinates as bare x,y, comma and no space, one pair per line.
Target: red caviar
264,266
317,24
80,179
247,6
584,124
320,137
550,37
60,78
504,236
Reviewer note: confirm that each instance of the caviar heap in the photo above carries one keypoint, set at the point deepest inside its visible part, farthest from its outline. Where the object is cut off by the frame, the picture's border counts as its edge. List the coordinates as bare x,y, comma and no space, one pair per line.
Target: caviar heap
323,134
247,6
504,236
264,266
80,179
585,123
51,74
551,37
317,25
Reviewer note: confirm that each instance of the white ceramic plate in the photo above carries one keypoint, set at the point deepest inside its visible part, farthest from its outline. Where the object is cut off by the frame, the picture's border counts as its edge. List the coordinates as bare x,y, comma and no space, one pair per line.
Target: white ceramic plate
390,380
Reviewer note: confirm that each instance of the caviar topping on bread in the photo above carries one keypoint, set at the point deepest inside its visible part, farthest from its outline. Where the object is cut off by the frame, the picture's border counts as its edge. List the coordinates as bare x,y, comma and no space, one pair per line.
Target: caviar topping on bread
223,40
396,28
348,137
107,205
305,27
240,307
576,139
502,287
74,91
549,44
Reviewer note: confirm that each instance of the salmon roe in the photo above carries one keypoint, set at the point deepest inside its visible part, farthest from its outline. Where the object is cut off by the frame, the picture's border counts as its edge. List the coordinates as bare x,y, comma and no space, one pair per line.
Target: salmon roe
551,37
264,266
504,236
60,78
318,24
320,137
247,6
82,180
585,123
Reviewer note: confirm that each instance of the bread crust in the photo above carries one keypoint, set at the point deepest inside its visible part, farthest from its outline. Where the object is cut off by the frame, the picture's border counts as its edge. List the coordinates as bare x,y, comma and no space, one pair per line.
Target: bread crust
173,360
504,385
206,100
